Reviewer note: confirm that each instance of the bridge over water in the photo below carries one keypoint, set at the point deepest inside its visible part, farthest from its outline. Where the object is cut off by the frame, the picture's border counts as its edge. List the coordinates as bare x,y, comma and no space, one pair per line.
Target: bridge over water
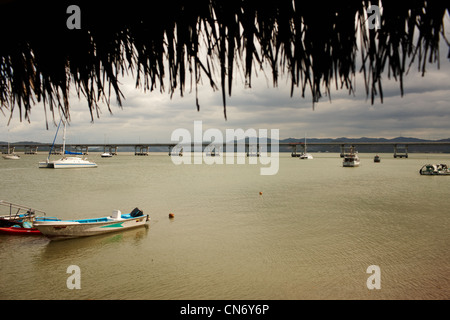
400,149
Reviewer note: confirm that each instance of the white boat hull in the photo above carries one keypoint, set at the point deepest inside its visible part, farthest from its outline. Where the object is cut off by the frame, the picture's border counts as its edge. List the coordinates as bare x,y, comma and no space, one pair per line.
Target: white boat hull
350,163
11,157
66,229
351,159
306,156
106,155
68,163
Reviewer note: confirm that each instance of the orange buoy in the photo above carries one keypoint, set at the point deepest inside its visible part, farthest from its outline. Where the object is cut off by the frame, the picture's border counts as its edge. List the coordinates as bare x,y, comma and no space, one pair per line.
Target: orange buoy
171,215
260,193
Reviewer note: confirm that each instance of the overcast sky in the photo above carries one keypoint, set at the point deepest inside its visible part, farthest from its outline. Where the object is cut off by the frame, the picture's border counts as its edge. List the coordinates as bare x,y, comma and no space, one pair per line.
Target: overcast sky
423,112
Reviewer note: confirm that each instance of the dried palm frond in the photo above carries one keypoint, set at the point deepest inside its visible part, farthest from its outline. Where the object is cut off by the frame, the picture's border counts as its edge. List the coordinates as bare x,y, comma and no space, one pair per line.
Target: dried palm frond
314,43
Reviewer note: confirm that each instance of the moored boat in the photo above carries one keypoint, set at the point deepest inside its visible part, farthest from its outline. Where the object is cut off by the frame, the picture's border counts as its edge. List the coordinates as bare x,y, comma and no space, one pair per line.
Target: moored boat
351,158
11,156
66,229
19,230
305,155
68,162
106,155
435,170
65,162
20,219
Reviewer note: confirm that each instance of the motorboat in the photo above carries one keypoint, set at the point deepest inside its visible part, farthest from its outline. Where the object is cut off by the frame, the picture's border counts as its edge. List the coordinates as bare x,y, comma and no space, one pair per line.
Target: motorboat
106,155
20,220
306,156
351,158
66,162
66,229
25,228
435,170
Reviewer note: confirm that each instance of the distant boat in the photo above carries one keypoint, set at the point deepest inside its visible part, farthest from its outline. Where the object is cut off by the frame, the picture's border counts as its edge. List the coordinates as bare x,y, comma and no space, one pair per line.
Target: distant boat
305,155
66,229
11,156
377,158
65,162
251,152
435,170
106,155
351,158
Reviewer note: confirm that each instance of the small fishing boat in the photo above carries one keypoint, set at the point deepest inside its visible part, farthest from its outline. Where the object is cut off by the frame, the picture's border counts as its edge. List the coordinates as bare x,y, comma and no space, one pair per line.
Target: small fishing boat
66,229
435,170
25,228
20,219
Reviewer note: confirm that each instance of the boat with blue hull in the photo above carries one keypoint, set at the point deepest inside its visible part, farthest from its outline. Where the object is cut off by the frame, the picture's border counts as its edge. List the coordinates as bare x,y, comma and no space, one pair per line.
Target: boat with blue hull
66,229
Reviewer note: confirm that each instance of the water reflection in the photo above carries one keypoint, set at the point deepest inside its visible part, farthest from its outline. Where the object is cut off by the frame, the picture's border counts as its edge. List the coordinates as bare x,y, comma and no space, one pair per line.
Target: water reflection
60,249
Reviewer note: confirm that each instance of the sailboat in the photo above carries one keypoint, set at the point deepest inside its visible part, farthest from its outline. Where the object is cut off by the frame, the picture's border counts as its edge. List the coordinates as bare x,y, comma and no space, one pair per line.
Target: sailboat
305,155
9,155
65,162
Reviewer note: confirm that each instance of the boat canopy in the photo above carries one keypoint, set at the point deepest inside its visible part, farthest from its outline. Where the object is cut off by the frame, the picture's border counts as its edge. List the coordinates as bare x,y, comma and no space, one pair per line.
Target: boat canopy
70,152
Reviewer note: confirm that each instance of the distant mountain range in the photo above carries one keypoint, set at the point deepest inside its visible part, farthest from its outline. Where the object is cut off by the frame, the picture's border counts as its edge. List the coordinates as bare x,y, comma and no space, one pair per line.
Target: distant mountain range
312,148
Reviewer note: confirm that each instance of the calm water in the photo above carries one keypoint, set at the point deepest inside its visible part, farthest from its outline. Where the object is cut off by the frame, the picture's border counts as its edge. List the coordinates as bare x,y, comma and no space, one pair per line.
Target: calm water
312,233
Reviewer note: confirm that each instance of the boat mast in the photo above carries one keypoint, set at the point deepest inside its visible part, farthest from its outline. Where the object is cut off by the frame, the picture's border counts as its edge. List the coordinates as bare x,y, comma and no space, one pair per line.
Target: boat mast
305,142
54,139
64,139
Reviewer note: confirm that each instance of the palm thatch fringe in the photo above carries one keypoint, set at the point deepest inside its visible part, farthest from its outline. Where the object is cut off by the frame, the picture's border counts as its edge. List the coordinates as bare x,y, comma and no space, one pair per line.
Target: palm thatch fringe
315,44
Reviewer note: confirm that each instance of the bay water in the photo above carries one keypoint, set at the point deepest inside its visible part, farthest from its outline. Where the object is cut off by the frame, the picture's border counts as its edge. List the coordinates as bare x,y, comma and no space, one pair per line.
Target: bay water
311,231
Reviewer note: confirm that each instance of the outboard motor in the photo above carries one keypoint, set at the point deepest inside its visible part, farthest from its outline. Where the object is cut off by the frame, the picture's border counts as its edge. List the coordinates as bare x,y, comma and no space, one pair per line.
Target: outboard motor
136,213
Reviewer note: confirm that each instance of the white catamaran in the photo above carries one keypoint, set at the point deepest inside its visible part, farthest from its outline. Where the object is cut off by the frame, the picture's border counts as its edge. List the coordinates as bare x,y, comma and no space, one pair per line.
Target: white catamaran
65,162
